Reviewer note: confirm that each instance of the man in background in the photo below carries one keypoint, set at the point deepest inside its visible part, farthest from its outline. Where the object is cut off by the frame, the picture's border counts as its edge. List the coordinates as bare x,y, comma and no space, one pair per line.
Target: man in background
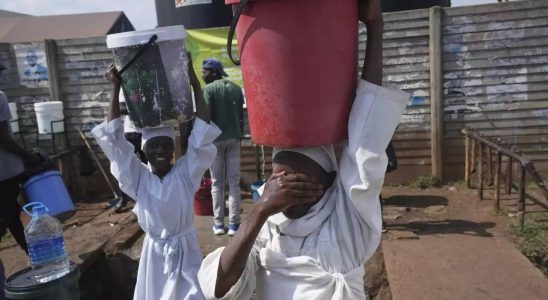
225,100
13,159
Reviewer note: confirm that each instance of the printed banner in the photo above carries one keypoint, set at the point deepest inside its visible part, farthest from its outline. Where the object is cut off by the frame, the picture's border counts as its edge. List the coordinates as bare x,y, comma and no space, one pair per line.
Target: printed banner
181,3
211,42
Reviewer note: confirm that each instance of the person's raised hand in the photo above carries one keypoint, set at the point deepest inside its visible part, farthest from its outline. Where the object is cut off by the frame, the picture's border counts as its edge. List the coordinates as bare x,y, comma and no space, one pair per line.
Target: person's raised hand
369,11
284,190
113,76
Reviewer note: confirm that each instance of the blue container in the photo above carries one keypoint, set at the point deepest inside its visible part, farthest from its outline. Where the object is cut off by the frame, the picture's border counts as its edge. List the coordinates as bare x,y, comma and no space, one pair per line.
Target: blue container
49,188
254,187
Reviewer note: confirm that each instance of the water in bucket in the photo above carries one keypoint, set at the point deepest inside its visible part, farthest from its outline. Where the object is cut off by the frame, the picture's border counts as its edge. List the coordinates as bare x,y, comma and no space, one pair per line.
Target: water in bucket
156,86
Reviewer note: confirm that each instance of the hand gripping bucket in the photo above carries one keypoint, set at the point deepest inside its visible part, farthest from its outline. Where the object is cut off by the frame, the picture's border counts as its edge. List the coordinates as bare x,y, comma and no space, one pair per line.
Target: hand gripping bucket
156,86
49,189
299,60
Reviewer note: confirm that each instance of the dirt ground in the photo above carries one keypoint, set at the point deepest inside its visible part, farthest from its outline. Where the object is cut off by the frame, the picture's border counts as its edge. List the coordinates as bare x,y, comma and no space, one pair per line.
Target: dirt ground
410,214
444,242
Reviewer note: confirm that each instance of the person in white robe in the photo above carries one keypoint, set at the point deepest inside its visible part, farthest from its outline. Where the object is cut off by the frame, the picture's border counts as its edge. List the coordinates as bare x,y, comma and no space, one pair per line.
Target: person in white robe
318,221
164,194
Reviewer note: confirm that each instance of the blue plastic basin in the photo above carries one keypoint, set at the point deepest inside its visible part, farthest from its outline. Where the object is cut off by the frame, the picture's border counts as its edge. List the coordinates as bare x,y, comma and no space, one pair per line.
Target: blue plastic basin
49,188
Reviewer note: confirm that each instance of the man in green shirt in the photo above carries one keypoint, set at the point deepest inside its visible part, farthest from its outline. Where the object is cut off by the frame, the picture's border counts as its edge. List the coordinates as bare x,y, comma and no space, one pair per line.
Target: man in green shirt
225,100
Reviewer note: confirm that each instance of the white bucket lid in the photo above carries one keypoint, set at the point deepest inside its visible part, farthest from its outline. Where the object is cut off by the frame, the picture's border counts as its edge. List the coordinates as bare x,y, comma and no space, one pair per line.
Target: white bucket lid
51,105
132,38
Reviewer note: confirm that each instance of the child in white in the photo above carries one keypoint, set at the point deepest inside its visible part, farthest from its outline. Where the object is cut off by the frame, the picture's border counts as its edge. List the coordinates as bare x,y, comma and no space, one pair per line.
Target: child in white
164,195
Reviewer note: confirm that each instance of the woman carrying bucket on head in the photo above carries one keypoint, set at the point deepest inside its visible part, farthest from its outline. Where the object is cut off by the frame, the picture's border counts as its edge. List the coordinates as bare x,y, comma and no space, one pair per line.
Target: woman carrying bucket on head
163,192
318,219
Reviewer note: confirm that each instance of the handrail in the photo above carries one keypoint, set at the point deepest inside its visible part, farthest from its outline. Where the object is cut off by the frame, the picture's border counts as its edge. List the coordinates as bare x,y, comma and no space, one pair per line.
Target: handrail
527,166
468,133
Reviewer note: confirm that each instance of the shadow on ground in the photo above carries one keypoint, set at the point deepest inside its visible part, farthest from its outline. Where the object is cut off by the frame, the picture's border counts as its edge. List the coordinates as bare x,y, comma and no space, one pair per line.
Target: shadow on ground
415,201
446,227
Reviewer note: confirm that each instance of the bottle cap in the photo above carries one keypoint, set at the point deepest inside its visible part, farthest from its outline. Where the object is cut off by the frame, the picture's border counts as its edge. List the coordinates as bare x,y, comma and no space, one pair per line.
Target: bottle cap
37,208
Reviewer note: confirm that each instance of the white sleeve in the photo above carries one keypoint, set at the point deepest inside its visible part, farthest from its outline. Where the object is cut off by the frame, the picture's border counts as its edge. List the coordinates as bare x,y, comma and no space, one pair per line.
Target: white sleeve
375,113
244,287
124,165
200,152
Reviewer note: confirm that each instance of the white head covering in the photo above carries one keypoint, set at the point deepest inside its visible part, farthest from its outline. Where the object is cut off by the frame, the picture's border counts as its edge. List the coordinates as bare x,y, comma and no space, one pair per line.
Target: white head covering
322,155
149,133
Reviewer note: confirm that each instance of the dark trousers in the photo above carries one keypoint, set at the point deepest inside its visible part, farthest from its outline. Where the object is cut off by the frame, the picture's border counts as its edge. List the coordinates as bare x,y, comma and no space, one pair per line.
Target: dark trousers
10,211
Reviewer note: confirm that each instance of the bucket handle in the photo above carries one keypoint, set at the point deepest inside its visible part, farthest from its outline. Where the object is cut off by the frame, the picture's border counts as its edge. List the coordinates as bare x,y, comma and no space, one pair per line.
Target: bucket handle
239,9
146,45
33,205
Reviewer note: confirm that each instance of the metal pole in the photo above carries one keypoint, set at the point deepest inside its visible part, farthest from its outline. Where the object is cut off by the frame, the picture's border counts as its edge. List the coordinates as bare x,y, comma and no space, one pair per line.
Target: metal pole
521,200
497,181
480,171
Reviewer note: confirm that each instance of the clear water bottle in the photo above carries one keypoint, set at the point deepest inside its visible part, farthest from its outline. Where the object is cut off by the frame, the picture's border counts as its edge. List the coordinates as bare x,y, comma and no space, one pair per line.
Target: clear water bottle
44,235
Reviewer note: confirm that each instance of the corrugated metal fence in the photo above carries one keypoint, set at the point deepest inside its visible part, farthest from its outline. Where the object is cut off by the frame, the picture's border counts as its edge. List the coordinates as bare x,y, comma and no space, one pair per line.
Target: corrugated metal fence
496,78
494,74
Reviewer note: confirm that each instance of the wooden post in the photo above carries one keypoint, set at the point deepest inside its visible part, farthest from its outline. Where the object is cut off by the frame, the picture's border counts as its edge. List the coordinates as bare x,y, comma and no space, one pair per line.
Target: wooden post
53,70
497,181
521,200
473,162
508,184
489,166
436,91
467,160
480,171
60,141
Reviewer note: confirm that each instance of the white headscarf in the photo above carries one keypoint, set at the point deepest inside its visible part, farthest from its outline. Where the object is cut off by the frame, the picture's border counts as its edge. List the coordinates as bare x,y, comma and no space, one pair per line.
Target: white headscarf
322,155
316,215
149,133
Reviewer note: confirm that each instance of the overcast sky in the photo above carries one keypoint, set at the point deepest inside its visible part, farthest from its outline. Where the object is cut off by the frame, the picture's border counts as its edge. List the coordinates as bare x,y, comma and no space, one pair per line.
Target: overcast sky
141,13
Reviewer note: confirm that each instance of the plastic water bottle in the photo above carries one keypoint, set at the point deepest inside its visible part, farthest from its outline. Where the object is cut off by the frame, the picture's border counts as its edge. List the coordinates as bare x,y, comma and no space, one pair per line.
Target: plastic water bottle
44,235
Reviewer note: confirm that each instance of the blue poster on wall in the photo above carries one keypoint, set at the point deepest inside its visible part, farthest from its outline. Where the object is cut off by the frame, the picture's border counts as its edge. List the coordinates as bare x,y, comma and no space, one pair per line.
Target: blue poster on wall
31,64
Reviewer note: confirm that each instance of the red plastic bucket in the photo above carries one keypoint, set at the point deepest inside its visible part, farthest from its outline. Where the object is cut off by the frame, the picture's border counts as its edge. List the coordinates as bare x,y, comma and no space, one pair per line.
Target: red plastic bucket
299,63
203,202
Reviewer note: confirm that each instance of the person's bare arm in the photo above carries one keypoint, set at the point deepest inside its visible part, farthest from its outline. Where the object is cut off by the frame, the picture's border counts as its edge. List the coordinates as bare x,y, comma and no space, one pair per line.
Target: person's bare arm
281,191
202,109
114,78
370,13
9,144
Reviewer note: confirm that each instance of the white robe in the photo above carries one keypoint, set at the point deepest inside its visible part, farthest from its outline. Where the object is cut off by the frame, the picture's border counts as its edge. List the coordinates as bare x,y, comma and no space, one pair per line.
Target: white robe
171,253
321,255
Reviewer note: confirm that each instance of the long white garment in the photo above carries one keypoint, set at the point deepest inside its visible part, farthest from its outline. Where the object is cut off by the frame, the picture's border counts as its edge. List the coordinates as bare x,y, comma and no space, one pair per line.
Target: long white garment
321,255
171,253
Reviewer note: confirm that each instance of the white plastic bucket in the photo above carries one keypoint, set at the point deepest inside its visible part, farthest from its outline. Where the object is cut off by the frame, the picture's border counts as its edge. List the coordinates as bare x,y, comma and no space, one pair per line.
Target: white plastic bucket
156,87
14,117
46,112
